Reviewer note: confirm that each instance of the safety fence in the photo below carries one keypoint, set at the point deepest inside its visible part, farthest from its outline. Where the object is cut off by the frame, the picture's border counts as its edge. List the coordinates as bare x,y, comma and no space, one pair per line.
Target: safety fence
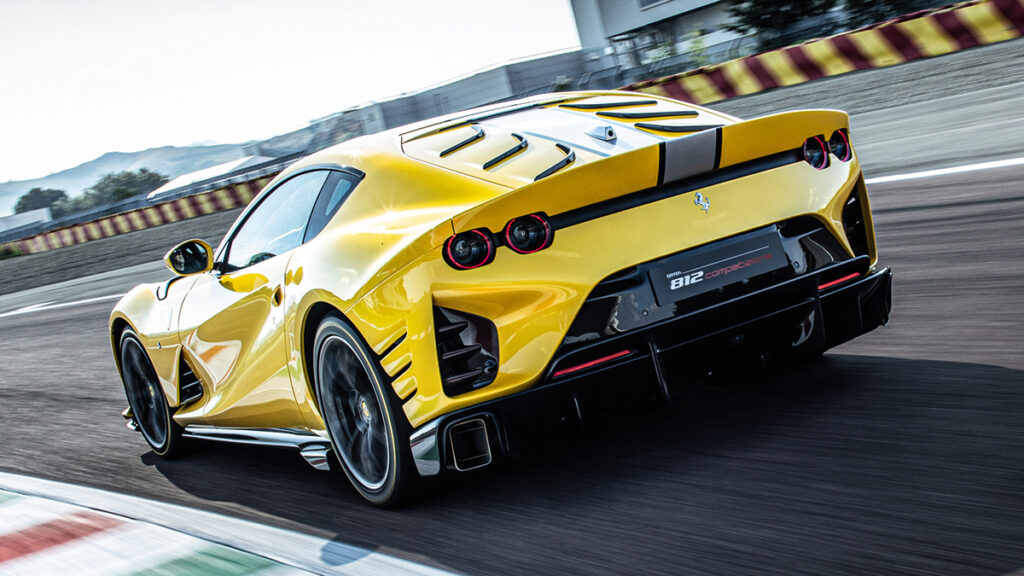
226,198
918,35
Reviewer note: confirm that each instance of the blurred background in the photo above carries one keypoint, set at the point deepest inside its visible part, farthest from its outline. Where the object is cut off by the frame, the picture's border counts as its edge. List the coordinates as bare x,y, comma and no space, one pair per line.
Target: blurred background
207,73
126,127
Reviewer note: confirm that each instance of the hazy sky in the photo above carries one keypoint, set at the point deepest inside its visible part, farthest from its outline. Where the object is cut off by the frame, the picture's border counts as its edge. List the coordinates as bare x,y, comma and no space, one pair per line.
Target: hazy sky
81,78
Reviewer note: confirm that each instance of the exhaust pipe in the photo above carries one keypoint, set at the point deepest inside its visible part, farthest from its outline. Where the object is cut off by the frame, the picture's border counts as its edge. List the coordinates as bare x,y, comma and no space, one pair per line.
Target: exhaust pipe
470,445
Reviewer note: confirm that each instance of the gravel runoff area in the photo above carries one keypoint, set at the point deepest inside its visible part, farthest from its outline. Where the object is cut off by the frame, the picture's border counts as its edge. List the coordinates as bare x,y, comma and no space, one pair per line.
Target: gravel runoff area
860,92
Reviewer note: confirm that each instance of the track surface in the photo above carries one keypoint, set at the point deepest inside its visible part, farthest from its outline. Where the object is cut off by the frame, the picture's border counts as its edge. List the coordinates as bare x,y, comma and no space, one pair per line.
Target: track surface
900,454
903,455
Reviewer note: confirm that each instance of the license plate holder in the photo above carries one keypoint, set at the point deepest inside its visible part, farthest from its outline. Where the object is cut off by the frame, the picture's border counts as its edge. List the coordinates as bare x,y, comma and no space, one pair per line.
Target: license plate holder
717,265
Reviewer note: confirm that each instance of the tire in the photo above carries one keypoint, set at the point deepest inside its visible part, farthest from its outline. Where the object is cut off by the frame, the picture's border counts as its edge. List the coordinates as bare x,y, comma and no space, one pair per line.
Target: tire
363,417
146,398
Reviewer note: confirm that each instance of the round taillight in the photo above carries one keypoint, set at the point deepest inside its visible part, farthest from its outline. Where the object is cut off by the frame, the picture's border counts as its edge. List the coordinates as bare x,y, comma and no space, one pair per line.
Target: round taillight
468,250
839,144
816,152
528,234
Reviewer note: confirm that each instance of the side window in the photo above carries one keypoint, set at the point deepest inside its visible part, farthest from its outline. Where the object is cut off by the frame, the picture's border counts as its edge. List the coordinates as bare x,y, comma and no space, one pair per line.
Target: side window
278,224
338,187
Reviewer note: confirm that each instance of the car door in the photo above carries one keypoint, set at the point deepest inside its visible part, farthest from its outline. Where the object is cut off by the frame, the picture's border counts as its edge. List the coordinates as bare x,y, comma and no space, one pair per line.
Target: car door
232,321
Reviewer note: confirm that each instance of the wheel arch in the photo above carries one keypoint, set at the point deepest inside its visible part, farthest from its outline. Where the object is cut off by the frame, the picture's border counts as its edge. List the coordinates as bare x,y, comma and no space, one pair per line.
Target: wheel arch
311,322
117,327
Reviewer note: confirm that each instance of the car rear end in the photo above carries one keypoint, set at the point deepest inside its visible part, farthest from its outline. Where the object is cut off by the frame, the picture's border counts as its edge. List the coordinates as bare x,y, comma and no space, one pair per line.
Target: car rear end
703,244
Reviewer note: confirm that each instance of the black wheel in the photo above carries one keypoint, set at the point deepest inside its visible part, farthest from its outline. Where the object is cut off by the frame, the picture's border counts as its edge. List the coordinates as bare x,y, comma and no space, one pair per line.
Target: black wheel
146,398
369,436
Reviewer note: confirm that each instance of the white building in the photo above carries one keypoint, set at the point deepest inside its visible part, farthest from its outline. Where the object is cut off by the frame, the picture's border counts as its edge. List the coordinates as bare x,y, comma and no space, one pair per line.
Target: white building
13,221
631,33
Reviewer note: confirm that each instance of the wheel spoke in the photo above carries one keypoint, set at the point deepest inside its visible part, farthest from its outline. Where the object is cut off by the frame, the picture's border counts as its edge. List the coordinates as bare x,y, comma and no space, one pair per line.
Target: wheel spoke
144,393
353,414
367,459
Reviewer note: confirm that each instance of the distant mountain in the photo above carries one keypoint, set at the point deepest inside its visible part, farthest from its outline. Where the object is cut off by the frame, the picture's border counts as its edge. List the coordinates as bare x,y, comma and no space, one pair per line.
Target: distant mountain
170,160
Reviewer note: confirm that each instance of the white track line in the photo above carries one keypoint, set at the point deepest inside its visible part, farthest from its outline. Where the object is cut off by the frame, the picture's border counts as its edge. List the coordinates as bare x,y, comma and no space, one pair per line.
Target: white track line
47,306
946,171
295,549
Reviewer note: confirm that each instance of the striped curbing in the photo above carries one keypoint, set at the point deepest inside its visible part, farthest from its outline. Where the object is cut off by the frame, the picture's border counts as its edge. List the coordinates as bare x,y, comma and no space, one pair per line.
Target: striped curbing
50,527
39,536
918,35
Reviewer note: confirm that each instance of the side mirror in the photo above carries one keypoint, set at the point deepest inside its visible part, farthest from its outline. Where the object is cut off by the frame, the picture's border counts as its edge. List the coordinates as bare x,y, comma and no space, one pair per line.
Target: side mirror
190,257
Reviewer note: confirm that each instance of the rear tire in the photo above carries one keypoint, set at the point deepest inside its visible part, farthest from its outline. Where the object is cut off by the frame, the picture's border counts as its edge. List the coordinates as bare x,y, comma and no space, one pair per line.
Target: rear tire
362,413
146,398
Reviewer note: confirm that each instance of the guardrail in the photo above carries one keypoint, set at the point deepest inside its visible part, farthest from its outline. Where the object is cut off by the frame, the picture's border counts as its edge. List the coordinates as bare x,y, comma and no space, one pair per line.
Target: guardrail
918,35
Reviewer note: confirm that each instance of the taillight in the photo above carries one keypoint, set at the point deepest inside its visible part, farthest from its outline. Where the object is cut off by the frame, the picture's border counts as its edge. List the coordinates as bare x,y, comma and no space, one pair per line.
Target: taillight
816,152
469,250
528,234
839,145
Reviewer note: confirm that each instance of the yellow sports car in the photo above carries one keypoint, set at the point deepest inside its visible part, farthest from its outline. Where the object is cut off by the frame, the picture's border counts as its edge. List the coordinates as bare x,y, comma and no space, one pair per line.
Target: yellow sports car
405,299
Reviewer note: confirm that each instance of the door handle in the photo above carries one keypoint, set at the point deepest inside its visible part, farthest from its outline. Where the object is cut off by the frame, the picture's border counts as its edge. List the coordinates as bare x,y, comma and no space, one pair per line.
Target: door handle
278,295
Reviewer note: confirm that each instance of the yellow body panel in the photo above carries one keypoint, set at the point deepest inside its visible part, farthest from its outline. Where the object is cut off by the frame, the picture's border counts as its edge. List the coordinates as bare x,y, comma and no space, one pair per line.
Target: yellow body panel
378,262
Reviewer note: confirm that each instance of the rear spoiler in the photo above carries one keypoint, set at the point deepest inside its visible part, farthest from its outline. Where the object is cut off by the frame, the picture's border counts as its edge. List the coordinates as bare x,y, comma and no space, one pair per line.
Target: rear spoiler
697,160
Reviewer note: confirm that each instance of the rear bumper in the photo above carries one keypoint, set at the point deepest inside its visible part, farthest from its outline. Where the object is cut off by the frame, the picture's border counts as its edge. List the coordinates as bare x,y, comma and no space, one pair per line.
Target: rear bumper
776,325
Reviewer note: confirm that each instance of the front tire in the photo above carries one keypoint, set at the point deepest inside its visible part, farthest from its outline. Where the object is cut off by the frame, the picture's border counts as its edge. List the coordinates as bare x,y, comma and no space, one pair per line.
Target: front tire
146,398
362,415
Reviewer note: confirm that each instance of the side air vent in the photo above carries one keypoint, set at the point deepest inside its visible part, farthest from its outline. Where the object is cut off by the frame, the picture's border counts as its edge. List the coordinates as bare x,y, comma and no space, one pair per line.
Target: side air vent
189,387
467,350
853,224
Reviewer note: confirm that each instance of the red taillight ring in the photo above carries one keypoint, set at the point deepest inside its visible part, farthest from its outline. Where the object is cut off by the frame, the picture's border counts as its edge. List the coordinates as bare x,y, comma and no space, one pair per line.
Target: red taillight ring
824,152
849,149
547,234
450,258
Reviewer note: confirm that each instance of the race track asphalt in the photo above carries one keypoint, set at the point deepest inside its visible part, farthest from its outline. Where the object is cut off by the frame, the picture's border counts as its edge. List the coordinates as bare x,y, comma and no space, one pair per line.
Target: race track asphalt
901,452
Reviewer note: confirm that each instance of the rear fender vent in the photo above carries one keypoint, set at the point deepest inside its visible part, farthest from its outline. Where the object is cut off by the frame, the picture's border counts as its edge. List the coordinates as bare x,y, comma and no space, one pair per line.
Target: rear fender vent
853,224
467,350
189,388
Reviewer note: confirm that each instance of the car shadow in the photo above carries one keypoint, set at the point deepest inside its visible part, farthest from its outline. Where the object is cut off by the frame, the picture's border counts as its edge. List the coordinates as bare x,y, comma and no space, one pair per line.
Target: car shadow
827,430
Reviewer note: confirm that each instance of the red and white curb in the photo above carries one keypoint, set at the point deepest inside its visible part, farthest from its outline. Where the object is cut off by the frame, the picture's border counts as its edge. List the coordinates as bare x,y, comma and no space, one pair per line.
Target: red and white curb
55,528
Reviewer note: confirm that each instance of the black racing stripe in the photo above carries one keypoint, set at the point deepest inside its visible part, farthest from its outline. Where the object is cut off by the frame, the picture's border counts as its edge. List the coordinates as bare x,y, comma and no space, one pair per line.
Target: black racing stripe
662,160
718,147
622,203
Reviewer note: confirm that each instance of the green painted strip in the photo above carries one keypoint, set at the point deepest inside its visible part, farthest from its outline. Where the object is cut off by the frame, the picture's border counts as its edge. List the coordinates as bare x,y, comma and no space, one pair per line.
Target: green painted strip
217,560
5,496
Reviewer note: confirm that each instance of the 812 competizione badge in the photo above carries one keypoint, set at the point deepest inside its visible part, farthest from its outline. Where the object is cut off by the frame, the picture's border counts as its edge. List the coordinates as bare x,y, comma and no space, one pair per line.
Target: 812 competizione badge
718,265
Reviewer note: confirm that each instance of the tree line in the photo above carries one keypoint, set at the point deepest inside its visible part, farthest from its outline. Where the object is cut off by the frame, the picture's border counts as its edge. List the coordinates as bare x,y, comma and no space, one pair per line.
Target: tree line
775,21
108,189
